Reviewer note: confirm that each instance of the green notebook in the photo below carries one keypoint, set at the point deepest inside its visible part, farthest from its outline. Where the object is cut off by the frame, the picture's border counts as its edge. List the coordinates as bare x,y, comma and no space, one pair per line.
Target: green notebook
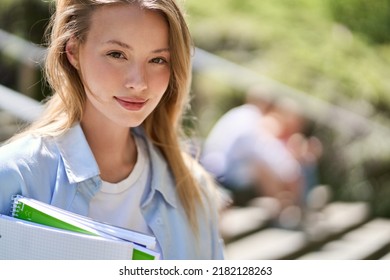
41,213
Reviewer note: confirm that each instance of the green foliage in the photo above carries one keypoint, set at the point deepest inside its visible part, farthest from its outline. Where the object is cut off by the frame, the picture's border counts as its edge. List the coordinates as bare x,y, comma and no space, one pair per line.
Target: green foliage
25,18
297,43
370,18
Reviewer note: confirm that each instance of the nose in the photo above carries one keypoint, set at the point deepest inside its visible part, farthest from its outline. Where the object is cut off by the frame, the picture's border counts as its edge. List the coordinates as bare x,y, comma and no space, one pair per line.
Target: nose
136,77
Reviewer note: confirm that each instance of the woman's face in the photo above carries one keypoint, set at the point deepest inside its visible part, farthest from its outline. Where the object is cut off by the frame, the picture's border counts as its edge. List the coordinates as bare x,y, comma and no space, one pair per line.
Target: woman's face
124,64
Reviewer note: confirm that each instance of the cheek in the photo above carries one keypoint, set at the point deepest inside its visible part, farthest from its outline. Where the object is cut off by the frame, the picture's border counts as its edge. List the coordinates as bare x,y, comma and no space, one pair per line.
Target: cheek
160,81
158,88
97,70
99,79
94,69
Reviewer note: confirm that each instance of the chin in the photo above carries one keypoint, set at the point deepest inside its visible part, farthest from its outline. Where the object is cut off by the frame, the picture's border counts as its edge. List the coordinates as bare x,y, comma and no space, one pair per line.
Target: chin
134,123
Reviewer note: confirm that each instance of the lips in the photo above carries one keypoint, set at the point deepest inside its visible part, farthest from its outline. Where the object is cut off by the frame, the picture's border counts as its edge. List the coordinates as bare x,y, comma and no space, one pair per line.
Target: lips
131,104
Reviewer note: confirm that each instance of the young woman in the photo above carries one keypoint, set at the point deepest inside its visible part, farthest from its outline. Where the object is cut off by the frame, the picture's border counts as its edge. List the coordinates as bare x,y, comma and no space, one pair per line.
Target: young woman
108,143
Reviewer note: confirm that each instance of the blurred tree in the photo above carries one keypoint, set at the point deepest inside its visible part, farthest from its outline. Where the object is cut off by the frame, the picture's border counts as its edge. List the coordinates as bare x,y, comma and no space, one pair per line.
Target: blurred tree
370,18
25,18
28,20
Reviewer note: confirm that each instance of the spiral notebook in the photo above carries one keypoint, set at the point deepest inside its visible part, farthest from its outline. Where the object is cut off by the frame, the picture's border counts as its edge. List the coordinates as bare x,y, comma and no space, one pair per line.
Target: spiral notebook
23,240
48,217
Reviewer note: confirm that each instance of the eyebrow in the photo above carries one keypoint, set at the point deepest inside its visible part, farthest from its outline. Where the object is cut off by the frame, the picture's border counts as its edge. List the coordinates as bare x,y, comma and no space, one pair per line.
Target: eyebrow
126,46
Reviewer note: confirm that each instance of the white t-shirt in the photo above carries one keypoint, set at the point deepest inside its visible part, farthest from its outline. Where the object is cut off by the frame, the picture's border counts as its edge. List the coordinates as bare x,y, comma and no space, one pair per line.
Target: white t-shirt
119,204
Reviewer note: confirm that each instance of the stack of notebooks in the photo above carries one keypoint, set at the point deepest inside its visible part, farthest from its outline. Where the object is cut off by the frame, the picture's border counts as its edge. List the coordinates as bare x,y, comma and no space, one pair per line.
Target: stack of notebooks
37,230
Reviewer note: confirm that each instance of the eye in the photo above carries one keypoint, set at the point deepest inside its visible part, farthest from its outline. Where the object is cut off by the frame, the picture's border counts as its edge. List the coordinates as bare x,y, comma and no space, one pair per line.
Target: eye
117,55
159,60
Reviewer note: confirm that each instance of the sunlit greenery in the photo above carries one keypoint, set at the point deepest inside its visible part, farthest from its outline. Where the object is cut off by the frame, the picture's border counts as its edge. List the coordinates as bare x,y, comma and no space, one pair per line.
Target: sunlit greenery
298,43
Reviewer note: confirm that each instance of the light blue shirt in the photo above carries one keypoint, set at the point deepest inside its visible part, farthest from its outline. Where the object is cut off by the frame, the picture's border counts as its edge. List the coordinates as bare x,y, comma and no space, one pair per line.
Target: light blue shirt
62,171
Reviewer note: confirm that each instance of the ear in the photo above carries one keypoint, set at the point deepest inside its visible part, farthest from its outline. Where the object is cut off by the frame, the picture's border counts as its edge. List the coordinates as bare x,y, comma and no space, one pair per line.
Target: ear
72,51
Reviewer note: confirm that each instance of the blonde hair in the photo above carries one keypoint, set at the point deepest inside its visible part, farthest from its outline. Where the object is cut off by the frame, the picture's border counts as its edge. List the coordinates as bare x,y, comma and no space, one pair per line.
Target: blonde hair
163,126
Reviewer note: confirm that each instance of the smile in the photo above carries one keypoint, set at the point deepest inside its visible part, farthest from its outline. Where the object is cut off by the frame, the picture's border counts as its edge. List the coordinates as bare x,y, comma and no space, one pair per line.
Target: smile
131,104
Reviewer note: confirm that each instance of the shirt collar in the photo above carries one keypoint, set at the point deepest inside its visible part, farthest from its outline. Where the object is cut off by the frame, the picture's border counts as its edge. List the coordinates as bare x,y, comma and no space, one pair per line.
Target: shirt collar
80,164
161,176
77,156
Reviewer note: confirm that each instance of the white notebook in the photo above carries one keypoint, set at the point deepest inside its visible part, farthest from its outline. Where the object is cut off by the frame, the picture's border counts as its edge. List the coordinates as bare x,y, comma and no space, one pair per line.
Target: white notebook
23,240
35,211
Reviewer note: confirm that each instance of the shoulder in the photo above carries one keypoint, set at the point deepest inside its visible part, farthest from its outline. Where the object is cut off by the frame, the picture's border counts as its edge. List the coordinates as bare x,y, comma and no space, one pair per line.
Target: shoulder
26,156
21,149
27,148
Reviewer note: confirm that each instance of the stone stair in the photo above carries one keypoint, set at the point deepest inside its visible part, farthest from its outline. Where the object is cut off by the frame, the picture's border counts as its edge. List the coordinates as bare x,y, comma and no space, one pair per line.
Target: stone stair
340,230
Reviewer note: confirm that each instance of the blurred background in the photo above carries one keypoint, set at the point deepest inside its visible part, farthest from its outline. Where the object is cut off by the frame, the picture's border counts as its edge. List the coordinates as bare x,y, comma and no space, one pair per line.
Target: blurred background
331,58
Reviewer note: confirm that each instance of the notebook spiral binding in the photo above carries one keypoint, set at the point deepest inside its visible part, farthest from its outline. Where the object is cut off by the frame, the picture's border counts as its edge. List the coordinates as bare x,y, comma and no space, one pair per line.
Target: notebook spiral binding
15,206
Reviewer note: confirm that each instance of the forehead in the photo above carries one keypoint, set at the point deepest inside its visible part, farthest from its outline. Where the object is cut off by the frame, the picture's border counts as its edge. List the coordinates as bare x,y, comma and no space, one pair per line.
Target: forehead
127,21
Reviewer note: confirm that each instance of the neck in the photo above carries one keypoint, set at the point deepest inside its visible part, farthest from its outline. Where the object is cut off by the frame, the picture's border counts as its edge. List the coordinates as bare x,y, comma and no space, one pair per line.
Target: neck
113,147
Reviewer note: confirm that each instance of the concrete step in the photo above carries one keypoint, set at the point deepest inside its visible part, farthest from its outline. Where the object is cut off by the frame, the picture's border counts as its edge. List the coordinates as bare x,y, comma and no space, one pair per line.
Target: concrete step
237,222
370,241
386,257
334,221
268,244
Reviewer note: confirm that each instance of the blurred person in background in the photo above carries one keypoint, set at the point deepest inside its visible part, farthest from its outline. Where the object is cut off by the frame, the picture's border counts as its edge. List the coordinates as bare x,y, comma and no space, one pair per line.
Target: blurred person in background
217,154
243,154
288,124
257,149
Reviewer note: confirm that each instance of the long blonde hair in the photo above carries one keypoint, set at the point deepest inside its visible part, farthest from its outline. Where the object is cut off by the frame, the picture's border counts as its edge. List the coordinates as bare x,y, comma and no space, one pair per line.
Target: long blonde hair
163,126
